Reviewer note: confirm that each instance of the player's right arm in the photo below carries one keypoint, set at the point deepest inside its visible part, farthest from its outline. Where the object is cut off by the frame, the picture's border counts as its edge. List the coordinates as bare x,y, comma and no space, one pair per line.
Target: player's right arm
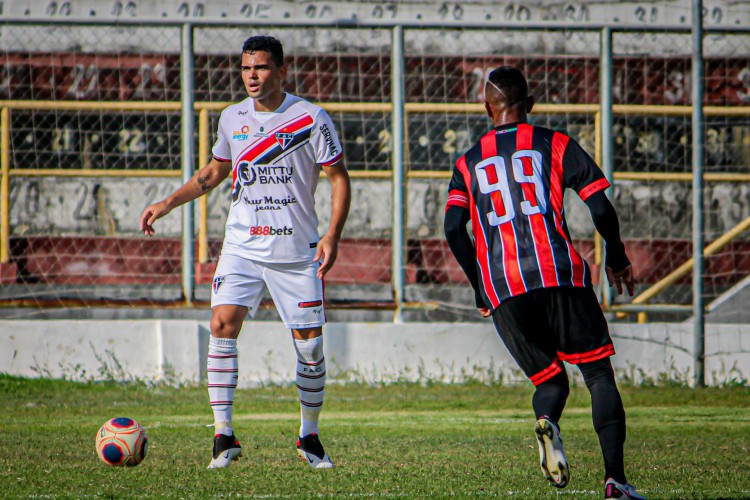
463,250
457,215
201,183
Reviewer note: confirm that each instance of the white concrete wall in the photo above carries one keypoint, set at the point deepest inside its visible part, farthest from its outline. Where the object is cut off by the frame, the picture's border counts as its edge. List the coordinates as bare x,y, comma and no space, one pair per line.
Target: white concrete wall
175,350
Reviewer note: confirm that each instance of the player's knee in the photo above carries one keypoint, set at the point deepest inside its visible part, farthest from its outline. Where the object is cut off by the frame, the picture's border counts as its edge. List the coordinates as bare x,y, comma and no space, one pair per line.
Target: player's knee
557,385
223,329
309,350
307,333
597,372
316,352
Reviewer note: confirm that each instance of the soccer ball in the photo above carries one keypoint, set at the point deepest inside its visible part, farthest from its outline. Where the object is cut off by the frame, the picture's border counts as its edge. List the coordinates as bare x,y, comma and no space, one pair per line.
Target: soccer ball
121,442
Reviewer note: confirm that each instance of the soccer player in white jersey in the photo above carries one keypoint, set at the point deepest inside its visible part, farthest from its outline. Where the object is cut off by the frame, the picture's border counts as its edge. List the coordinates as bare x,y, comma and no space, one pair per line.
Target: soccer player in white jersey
274,144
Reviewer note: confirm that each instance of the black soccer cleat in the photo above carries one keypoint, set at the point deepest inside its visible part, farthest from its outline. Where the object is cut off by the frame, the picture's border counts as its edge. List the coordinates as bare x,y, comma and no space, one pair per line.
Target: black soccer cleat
311,451
226,450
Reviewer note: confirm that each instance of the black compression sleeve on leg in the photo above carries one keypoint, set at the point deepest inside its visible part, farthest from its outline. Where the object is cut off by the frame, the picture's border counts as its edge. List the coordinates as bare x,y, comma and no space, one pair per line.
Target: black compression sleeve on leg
608,415
550,397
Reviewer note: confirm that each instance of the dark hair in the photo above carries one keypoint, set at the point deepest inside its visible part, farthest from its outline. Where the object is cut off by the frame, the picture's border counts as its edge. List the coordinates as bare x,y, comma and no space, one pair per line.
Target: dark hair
512,83
267,44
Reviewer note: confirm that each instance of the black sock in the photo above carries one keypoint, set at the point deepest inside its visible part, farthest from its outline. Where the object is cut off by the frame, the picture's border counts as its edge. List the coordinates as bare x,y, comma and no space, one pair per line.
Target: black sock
608,415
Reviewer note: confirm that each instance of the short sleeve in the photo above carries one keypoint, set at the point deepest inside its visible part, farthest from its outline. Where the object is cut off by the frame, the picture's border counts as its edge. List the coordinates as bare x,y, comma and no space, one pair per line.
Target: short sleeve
581,173
221,150
458,193
325,140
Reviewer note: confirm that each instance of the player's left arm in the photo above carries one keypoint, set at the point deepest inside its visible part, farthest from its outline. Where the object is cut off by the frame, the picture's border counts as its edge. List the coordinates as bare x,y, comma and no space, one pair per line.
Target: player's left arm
617,265
341,198
584,175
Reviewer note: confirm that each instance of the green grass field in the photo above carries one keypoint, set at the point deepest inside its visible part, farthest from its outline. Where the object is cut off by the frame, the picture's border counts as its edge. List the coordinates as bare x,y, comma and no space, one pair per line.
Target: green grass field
397,440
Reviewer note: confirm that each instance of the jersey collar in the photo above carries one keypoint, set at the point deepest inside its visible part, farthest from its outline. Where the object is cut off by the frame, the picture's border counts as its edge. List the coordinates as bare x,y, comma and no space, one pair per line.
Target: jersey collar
508,125
282,107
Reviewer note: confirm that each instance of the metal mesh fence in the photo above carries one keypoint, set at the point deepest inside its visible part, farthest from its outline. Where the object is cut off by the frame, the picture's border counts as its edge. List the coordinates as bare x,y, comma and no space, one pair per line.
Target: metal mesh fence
71,95
562,69
94,126
41,64
83,101
654,146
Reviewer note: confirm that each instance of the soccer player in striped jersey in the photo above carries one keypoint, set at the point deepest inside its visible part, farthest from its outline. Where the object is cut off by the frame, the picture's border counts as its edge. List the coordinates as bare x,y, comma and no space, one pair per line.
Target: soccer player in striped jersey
274,144
527,275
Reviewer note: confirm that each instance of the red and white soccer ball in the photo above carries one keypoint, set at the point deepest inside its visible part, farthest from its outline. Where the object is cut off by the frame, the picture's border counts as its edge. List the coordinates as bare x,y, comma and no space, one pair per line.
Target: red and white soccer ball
121,442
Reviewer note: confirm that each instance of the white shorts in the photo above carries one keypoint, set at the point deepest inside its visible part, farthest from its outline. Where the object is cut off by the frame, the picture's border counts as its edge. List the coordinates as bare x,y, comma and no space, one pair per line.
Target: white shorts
295,289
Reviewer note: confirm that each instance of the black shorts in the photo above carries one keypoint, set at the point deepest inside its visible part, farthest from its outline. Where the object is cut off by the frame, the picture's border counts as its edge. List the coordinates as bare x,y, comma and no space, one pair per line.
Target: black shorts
544,327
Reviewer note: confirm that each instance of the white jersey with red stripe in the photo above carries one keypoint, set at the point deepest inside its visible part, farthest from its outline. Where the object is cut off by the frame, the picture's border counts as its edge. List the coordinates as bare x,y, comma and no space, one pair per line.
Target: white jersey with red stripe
276,160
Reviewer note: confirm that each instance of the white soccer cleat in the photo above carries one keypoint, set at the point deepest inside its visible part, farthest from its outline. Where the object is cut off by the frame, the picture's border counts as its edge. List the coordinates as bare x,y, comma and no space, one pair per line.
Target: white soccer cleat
551,453
618,491
311,451
226,450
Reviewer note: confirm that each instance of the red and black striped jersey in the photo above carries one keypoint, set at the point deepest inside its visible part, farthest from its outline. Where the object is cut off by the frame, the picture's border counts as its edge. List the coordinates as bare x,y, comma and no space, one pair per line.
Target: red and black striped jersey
512,182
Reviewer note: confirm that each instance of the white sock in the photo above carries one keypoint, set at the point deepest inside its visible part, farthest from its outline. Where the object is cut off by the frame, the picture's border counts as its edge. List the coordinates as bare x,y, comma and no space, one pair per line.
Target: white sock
222,381
311,378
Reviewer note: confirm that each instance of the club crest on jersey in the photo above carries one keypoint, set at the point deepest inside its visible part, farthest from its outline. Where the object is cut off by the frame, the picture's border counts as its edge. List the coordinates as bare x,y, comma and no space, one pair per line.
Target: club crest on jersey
217,283
284,139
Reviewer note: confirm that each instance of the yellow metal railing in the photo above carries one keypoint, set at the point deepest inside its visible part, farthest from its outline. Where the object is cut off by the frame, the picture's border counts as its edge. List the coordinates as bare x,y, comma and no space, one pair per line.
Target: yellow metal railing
686,267
204,142
204,148
620,109
4,185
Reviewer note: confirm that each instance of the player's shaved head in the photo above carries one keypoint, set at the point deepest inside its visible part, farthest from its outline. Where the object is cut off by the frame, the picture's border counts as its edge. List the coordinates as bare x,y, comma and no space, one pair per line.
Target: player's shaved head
507,87
506,96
